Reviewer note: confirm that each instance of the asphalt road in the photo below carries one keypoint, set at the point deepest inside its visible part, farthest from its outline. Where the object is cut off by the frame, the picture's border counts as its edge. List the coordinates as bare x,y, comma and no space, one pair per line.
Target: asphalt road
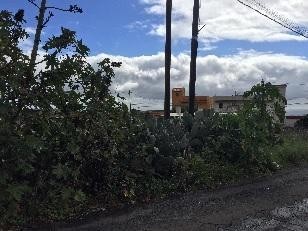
278,202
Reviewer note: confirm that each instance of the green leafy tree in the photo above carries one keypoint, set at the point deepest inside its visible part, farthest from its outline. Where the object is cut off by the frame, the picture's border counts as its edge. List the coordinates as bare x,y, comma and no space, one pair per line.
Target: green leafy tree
14,155
52,123
41,23
261,121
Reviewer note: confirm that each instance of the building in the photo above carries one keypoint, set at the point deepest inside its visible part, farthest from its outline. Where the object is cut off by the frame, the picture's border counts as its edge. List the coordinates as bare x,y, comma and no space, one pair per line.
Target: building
221,104
155,113
282,89
160,114
228,104
180,101
290,121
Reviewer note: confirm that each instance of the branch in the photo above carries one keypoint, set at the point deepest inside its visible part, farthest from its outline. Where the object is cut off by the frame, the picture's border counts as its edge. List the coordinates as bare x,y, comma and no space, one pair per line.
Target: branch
56,8
44,60
48,18
33,3
73,8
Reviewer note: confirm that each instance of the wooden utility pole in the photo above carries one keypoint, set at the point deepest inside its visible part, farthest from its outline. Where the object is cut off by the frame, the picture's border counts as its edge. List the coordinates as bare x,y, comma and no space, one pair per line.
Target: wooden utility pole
193,61
37,38
41,23
167,59
130,100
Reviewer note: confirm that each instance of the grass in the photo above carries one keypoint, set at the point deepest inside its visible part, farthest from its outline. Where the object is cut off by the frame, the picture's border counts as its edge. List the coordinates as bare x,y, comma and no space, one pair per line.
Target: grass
293,150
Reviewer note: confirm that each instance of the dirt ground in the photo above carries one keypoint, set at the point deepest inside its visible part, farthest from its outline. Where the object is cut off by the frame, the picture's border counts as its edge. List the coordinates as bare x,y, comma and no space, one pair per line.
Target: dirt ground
278,202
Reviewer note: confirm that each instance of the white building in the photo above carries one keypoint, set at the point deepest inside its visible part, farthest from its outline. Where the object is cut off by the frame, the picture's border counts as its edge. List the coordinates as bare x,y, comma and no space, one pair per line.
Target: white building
228,104
232,104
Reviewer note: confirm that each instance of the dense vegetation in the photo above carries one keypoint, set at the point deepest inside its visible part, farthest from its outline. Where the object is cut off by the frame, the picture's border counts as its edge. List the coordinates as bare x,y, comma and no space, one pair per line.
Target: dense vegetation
67,144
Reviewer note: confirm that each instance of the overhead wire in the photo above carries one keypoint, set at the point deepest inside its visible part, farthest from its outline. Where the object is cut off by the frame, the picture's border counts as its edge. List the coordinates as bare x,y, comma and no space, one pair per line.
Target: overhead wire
273,16
282,21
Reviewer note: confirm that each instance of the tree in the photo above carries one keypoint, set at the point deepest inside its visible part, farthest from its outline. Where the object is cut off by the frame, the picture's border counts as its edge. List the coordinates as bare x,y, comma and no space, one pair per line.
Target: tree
41,23
193,61
167,58
266,99
262,117
261,122
52,123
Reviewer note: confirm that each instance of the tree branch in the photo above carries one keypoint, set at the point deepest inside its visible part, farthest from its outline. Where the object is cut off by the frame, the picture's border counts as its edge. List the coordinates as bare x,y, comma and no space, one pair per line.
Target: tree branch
48,18
33,3
56,8
73,8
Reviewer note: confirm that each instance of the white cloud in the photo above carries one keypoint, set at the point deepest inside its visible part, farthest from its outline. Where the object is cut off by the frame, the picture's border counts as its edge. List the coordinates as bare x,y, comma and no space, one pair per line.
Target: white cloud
144,75
295,106
26,45
228,19
30,30
137,25
127,86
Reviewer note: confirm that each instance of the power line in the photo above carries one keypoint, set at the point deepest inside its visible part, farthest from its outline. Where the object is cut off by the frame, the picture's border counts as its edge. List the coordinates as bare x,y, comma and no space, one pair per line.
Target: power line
297,104
273,16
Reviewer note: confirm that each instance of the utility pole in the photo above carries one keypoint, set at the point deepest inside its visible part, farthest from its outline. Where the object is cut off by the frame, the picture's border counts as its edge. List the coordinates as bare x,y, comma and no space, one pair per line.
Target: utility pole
193,61
167,59
37,38
41,23
130,101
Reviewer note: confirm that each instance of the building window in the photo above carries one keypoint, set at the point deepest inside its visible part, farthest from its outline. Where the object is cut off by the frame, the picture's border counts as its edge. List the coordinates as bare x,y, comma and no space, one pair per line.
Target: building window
221,105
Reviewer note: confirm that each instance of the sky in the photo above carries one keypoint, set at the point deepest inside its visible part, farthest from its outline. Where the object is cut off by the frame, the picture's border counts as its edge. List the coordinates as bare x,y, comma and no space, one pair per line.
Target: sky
237,47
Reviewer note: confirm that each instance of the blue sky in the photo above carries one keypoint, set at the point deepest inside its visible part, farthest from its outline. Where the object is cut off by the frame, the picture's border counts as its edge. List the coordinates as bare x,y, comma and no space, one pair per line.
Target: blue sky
238,47
106,26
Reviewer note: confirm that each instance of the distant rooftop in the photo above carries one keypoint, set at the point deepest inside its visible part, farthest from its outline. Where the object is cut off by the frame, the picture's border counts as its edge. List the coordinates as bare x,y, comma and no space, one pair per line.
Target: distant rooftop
229,98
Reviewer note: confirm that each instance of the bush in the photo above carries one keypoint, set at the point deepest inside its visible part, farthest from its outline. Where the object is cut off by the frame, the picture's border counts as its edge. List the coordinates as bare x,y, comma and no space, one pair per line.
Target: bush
63,135
293,150
67,142
214,173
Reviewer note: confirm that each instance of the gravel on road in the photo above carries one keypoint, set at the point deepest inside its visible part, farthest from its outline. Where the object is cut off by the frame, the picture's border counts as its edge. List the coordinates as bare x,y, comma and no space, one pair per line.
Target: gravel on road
277,202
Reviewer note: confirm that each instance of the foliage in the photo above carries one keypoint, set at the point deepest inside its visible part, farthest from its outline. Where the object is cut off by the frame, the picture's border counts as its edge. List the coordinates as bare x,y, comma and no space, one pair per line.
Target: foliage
206,173
56,127
293,150
66,141
261,122
12,66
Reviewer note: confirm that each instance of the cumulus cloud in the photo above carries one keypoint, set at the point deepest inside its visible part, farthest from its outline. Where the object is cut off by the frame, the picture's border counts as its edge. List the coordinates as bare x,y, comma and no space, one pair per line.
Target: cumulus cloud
30,30
128,86
224,75
138,25
228,19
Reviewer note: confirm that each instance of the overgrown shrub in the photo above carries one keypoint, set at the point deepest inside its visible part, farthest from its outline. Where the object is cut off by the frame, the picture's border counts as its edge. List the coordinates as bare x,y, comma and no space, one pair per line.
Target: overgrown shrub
66,141
64,137
293,150
261,123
